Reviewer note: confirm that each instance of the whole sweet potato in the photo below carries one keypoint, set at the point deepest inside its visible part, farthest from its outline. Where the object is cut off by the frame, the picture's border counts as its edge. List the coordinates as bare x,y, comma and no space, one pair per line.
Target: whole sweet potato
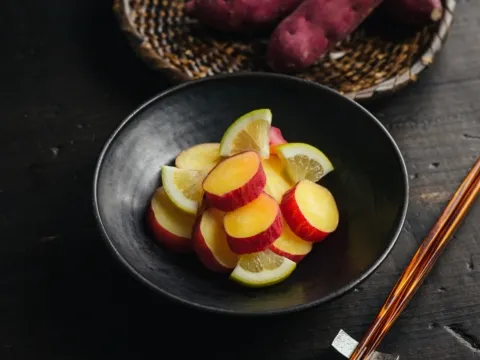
414,12
240,15
312,29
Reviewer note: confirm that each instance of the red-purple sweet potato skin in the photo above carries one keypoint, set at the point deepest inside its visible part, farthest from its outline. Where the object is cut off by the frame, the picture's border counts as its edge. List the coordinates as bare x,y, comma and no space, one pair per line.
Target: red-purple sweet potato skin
414,12
240,15
312,29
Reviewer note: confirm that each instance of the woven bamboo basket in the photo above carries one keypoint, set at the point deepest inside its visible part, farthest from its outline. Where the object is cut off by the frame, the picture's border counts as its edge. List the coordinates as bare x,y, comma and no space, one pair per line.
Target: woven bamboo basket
377,59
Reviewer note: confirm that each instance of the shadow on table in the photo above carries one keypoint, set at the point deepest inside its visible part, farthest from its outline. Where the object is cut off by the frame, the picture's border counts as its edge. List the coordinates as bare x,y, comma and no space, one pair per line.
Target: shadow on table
110,58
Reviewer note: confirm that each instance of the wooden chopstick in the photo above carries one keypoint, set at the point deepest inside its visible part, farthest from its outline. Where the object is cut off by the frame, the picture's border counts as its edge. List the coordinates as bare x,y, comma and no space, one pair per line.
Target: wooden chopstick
421,263
427,263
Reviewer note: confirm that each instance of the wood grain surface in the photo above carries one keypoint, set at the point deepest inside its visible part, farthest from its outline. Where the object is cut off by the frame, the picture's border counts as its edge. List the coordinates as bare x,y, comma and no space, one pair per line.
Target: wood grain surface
67,79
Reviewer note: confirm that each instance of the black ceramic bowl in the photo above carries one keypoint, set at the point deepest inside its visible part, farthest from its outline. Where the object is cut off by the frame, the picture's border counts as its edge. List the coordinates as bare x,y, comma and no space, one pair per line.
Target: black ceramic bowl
370,185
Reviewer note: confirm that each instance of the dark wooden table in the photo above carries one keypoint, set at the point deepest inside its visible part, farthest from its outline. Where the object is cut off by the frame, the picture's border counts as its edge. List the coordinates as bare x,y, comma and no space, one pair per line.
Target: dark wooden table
67,78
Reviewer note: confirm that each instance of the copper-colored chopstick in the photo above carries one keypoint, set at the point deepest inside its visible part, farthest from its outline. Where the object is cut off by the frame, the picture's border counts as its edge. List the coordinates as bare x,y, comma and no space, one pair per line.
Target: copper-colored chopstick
421,263
409,287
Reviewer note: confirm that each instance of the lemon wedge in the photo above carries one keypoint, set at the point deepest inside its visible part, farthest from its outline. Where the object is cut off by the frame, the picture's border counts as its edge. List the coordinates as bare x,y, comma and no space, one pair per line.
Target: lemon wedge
250,132
184,187
262,269
304,161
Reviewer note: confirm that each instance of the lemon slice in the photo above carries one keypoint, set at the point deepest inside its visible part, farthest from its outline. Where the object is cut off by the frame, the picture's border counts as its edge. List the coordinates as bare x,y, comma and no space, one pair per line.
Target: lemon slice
184,187
304,161
262,269
249,132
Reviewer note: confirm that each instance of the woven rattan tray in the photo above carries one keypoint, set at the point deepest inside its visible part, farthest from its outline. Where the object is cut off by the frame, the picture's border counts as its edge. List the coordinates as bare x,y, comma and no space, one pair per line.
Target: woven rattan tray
377,59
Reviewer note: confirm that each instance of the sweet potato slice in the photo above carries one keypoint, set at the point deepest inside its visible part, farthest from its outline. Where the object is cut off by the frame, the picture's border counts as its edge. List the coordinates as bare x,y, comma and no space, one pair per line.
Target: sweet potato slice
235,181
255,226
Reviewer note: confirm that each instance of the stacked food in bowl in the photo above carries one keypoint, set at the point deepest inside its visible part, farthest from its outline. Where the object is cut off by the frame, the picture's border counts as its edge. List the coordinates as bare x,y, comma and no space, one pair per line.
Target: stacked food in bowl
249,205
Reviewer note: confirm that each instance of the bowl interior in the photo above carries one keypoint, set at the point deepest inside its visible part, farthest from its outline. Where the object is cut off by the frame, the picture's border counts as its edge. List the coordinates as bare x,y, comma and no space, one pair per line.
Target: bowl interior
369,184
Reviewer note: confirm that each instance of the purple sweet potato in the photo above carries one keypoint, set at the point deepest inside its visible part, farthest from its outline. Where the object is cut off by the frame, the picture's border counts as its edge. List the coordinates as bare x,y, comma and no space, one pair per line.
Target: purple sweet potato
240,15
414,12
313,28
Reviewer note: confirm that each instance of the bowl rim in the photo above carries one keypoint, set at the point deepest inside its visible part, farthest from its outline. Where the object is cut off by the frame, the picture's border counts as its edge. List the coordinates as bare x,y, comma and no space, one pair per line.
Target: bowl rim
256,75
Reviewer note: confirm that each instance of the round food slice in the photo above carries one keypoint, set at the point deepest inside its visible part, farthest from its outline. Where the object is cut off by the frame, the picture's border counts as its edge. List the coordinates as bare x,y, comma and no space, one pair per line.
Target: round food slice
250,132
235,182
276,138
202,157
310,210
184,187
278,182
304,161
290,245
210,242
255,226
170,226
262,269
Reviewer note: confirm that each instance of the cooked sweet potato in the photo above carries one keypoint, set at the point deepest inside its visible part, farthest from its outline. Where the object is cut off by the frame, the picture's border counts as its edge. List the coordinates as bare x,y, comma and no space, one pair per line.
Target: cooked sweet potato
414,12
312,29
240,15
